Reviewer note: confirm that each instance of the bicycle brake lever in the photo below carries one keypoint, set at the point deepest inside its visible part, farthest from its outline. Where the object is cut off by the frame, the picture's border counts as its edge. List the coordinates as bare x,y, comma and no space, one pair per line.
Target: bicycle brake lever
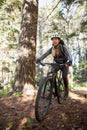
42,64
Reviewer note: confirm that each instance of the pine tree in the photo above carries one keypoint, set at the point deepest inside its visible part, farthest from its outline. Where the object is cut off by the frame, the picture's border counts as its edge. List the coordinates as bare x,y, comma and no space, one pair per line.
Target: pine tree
25,66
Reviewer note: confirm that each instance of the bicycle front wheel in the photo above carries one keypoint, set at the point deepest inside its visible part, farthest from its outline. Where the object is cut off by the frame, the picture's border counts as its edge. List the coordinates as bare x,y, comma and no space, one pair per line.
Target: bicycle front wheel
43,99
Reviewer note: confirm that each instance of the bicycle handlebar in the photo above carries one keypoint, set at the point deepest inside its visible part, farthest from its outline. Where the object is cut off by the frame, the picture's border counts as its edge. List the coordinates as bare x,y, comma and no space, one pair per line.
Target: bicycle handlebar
52,64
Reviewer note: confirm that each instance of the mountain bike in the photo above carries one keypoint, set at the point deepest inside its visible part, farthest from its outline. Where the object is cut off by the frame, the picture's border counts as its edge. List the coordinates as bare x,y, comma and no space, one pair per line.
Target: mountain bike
50,86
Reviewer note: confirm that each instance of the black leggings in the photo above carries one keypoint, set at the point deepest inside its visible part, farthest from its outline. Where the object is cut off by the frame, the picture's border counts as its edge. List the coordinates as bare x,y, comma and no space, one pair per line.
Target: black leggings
65,70
65,78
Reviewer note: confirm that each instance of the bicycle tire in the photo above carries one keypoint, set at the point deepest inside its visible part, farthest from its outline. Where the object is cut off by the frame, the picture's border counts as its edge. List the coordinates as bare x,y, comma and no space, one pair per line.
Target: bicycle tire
42,86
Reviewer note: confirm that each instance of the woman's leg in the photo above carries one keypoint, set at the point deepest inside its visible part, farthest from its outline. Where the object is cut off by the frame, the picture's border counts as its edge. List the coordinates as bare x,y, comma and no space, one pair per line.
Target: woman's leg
65,79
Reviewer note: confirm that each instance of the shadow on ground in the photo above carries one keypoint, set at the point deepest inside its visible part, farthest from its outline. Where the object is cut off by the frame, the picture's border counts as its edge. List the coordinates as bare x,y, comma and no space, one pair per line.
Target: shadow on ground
17,113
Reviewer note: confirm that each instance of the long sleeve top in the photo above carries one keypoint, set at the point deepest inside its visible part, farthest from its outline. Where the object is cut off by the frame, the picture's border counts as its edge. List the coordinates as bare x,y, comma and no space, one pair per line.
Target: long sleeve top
63,54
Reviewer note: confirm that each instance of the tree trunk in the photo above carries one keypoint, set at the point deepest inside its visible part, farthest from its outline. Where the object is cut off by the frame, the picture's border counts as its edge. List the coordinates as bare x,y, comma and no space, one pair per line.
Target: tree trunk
24,80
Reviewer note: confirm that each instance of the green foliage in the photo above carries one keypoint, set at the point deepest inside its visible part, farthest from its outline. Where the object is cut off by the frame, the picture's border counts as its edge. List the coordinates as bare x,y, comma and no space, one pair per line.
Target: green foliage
12,46
81,72
83,66
68,2
18,94
72,35
10,17
1,87
4,92
77,85
84,27
6,69
28,125
11,82
2,2
11,5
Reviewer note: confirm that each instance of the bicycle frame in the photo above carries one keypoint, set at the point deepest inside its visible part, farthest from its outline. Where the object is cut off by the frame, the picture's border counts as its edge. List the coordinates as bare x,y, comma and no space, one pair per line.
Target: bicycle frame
54,75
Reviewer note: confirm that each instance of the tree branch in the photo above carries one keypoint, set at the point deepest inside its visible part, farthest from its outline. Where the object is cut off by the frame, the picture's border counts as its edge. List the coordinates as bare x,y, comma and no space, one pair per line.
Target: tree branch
52,10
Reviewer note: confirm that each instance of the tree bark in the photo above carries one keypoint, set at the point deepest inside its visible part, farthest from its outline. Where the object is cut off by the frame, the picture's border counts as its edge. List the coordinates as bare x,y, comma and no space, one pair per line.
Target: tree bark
24,80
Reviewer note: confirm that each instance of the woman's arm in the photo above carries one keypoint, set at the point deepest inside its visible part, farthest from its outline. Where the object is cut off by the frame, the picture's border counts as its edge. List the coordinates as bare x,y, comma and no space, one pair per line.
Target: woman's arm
45,54
67,53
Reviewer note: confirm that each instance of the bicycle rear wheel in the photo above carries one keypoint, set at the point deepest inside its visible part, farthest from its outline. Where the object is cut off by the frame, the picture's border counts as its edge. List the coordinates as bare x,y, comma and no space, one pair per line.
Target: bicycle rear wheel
43,99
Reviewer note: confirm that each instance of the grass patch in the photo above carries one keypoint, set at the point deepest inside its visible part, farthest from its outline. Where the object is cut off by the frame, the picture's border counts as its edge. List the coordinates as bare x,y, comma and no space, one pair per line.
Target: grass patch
18,94
28,125
4,92
77,85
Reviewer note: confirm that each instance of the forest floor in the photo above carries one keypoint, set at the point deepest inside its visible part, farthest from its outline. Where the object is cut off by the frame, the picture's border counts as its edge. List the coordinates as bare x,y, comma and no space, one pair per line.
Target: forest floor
17,113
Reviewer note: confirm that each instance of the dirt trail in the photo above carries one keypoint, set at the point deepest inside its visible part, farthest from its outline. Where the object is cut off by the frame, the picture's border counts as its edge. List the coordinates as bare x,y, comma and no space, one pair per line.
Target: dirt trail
17,113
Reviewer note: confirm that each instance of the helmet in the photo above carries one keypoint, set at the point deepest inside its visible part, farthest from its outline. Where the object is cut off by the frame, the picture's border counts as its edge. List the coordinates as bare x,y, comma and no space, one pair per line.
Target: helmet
55,36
